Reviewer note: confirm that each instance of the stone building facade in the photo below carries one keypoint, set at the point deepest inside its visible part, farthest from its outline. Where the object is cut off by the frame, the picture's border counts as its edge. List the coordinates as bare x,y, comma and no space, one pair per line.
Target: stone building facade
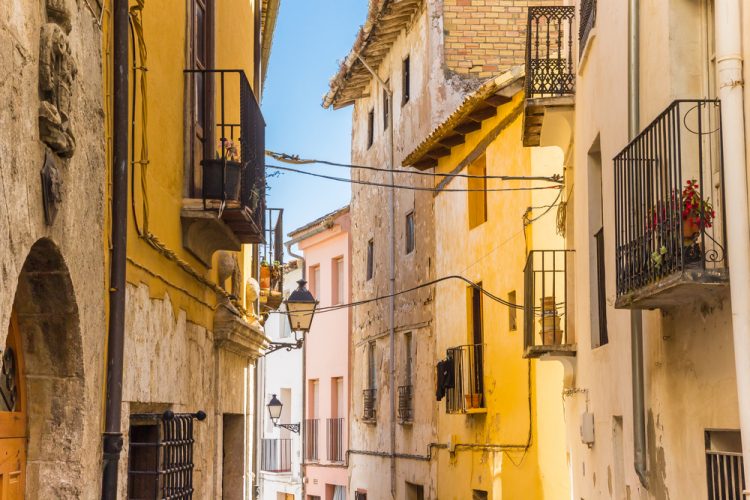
406,43
52,254
192,330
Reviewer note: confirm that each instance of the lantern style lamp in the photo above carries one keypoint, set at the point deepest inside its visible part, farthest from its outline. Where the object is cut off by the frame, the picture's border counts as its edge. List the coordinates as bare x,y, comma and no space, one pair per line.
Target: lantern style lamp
300,306
274,411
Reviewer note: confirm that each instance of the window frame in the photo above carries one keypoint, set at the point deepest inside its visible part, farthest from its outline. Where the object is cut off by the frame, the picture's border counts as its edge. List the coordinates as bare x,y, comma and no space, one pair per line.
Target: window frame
410,237
370,269
370,128
405,80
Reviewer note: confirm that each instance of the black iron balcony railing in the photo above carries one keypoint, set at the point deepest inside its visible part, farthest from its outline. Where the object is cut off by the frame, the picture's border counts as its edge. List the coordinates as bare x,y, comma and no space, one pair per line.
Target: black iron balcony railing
588,21
276,455
546,288
369,397
725,474
405,404
272,260
467,393
228,135
549,52
669,212
311,439
335,439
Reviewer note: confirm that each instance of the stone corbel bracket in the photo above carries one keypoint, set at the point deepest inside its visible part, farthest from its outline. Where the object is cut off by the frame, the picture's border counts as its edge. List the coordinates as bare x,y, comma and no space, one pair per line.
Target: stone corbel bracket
234,334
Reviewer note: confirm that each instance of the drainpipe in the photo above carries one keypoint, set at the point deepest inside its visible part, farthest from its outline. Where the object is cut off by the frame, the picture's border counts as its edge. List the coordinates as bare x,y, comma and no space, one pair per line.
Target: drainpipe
392,275
636,316
729,69
112,438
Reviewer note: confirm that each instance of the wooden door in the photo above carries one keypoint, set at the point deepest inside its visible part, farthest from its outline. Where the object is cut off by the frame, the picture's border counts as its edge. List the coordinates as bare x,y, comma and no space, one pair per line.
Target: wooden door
12,418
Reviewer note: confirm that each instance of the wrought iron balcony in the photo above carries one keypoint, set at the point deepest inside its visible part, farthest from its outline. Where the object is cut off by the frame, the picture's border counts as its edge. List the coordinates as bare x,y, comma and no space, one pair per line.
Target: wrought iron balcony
547,330
550,69
549,52
272,259
670,243
226,180
588,21
276,455
369,398
467,393
335,439
311,439
405,404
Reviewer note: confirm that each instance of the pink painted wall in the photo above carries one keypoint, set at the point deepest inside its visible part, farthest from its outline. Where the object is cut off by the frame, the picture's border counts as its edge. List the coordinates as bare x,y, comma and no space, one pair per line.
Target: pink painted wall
327,350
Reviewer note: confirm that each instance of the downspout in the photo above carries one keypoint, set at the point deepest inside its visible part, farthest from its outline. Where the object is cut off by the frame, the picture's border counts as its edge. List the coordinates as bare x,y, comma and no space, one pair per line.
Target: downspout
392,275
729,70
112,438
636,316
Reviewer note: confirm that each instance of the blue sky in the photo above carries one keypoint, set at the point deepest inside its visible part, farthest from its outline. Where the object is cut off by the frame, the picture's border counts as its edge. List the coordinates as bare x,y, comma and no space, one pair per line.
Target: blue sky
311,37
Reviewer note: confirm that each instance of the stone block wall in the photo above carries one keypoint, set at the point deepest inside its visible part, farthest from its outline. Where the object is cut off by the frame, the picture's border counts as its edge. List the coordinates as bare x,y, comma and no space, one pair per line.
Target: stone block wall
483,38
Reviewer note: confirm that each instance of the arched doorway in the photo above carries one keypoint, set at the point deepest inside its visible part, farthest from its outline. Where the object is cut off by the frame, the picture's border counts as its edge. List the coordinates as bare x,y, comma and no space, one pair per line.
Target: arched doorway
45,336
12,417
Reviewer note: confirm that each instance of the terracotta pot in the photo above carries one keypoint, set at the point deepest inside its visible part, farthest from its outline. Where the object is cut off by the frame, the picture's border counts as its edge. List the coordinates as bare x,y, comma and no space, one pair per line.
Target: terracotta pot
690,231
473,401
265,277
551,332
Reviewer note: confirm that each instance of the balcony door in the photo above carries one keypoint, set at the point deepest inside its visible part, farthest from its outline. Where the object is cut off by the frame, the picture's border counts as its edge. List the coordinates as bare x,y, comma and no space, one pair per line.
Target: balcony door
12,418
202,105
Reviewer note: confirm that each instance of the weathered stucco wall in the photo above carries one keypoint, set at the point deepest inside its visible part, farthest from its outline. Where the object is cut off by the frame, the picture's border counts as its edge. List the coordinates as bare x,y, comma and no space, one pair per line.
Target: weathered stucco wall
689,360
61,314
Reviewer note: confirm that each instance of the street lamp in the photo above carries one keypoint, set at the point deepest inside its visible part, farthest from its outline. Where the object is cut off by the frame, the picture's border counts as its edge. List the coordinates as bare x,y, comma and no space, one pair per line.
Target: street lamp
300,307
274,411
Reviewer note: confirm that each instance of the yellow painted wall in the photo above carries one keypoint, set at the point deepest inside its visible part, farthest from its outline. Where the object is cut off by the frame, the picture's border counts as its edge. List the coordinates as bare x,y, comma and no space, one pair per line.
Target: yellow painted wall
165,34
495,254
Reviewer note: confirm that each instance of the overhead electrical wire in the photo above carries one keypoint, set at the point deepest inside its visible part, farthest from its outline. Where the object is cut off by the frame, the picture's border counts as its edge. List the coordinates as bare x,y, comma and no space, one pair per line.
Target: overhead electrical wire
412,188
296,160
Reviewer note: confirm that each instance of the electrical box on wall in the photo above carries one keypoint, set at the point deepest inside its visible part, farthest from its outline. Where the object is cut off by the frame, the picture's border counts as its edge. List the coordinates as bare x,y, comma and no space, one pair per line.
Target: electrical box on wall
587,429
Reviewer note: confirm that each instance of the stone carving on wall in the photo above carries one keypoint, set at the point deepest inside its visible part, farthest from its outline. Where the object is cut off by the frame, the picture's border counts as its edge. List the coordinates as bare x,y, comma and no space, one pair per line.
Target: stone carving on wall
51,187
57,72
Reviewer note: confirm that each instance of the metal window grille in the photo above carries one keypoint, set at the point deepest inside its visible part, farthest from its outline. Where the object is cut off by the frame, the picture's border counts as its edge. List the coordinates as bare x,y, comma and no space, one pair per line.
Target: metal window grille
276,455
311,439
588,21
369,398
681,145
724,465
405,404
242,202
549,52
545,300
160,464
335,439
601,287
467,392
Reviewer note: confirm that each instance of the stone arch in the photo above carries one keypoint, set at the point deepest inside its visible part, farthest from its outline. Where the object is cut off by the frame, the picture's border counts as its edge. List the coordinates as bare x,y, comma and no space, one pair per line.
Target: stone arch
48,326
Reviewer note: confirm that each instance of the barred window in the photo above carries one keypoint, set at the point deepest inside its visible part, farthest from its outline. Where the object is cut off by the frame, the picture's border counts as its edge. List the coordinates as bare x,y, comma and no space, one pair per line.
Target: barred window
160,458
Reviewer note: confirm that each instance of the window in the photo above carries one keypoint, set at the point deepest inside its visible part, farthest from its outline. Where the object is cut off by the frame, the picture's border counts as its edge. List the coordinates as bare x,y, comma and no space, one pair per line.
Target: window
160,454
372,381
512,324
339,294
408,365
370,258
369,394
405,80
414,491
370,128
476,361
724,464
477,192
360,495
597,266
202,103
410,236
386,106
315,281
479,495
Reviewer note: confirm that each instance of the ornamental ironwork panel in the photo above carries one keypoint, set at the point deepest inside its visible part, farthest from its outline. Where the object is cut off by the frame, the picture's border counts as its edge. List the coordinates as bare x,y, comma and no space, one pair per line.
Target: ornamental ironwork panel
335,439
368,399
311,439
405,403
160,462
669,198
467,392
276,455
549,52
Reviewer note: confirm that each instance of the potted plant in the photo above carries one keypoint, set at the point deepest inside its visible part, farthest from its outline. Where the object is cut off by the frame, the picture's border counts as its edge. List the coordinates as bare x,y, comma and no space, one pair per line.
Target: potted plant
222,175
697,213
265,275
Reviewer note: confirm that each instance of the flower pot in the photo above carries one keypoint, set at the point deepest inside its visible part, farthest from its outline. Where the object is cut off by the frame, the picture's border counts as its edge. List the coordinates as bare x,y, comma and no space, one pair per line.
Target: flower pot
221,179
473,401
690,231
551,332
265,277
